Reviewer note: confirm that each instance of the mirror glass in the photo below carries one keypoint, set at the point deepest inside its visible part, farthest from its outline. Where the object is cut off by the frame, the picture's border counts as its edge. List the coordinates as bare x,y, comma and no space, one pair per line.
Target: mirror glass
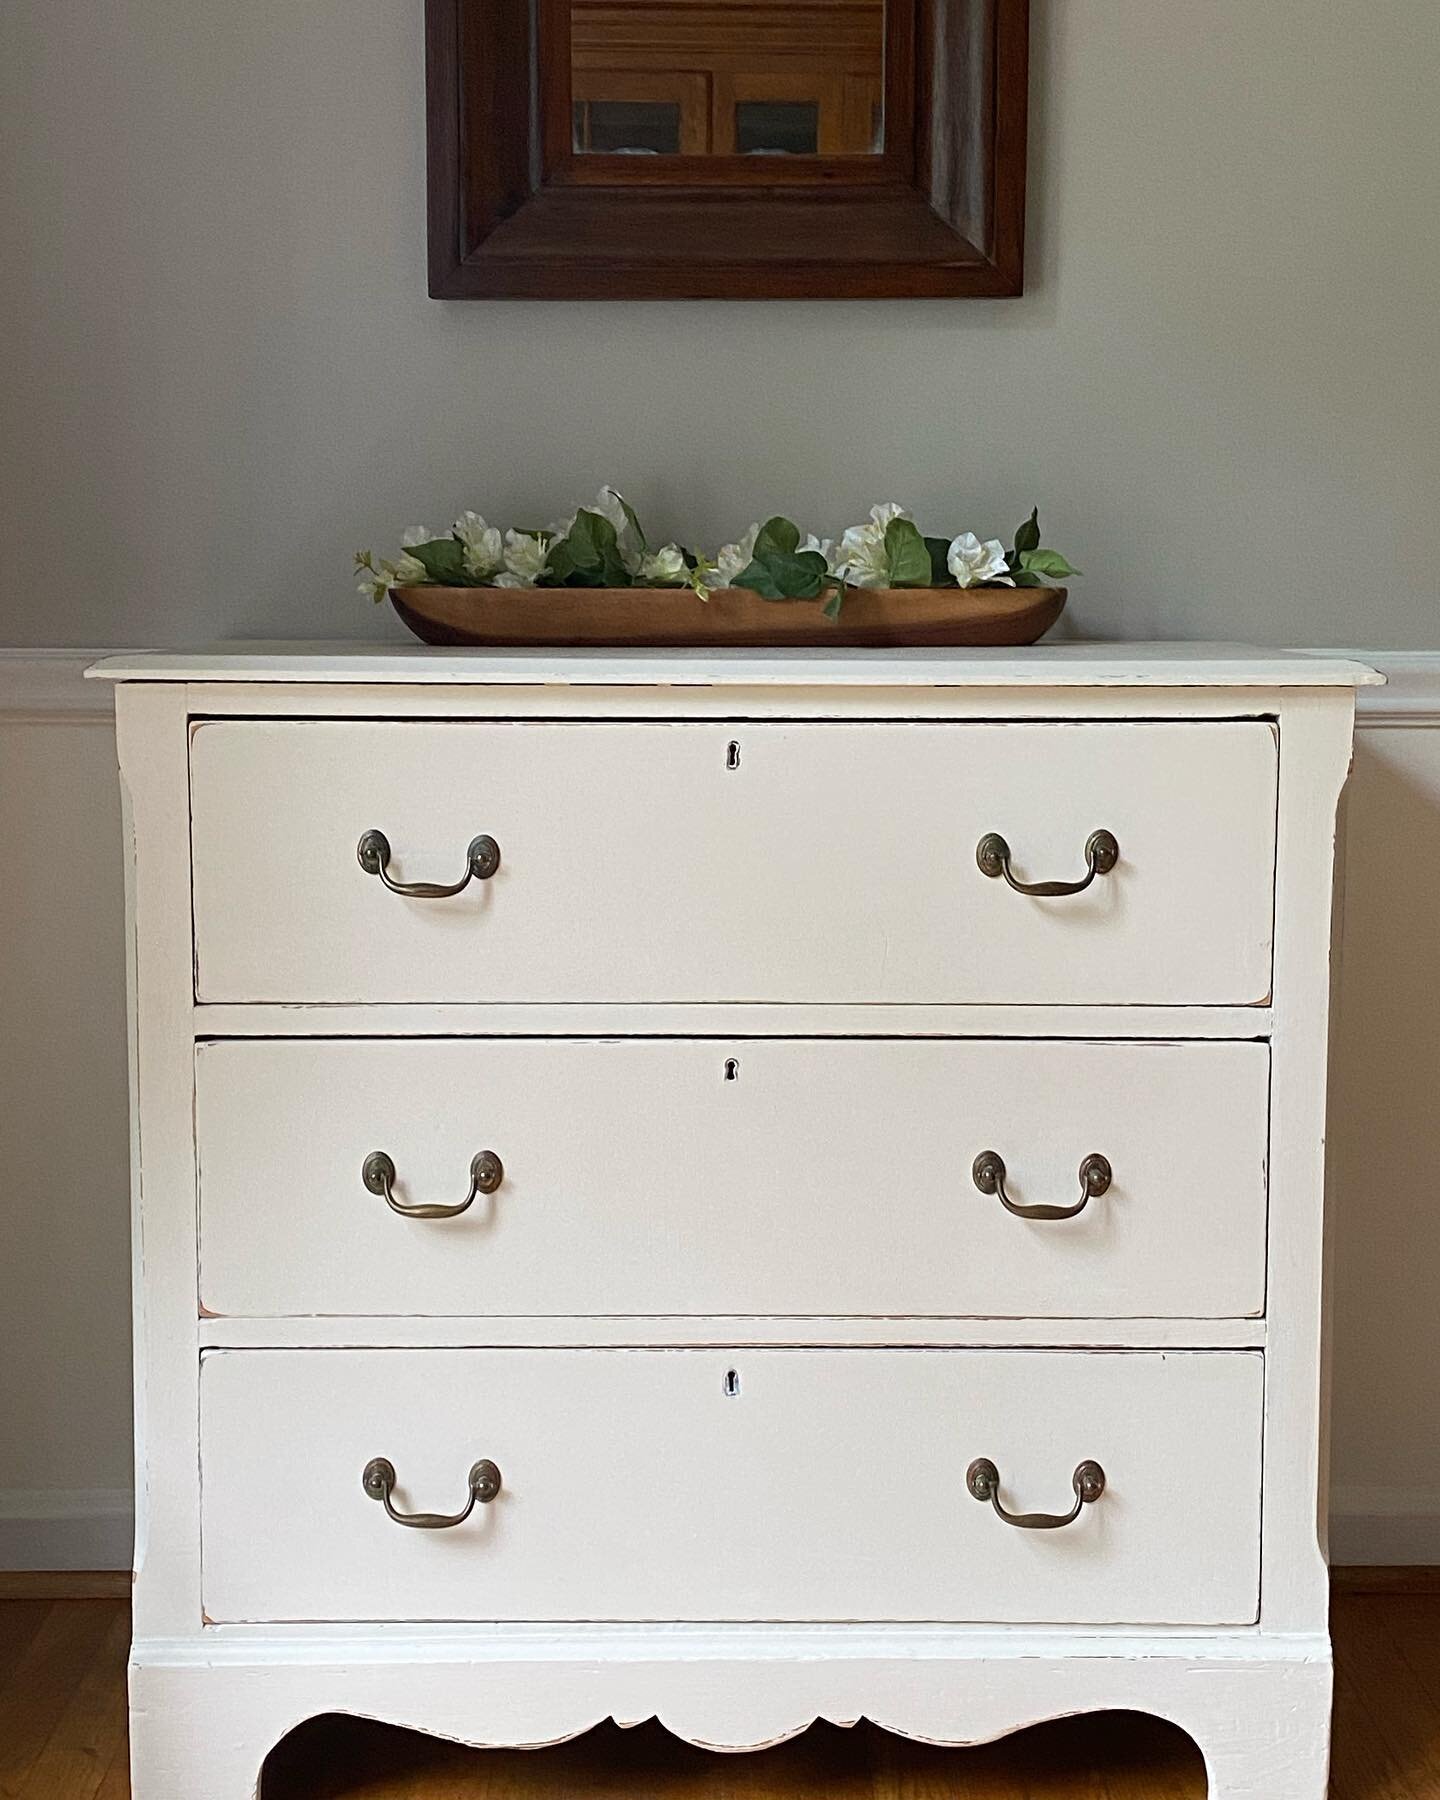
728,77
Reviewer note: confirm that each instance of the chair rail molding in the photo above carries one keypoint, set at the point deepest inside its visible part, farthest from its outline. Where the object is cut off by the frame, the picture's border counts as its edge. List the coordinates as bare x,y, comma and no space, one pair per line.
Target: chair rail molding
1411,697
51,684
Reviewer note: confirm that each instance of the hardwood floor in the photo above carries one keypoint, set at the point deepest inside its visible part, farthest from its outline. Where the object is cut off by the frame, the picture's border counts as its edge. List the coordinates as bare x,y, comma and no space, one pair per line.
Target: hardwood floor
62,1737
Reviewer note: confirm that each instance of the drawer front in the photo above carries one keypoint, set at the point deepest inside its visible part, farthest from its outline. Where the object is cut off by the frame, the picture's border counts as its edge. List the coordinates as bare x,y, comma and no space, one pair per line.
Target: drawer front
764,1177
731,1485
740,862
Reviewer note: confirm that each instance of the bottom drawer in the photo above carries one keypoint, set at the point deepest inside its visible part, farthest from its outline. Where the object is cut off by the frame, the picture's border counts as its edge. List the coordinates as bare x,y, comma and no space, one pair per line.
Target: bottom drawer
731,1485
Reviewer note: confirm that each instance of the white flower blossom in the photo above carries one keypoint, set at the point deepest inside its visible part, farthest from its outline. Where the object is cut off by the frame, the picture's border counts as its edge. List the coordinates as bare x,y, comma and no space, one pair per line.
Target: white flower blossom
525,558
377,578
627,538
974,564
663,568
733,560
862,560
824,546
484,546
408,571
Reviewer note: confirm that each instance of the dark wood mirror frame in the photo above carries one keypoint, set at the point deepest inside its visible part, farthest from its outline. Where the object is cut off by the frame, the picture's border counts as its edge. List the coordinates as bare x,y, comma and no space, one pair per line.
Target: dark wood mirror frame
515,214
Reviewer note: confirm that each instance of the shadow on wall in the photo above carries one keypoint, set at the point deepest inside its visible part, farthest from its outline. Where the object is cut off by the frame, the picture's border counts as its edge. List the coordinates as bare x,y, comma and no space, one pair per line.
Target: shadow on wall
1385,1156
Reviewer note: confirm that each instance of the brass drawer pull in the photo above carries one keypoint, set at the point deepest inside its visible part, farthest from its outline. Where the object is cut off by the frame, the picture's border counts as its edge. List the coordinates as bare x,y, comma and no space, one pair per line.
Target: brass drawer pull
988,1174
992,853
379,1483
378,1173
482,859
983,1480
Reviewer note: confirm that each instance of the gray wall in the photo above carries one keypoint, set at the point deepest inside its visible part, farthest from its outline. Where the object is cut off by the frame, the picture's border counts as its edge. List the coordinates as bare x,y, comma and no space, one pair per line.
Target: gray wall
221,373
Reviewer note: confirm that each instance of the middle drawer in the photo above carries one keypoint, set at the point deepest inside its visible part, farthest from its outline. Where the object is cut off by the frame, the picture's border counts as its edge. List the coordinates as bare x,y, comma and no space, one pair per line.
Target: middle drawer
795,1177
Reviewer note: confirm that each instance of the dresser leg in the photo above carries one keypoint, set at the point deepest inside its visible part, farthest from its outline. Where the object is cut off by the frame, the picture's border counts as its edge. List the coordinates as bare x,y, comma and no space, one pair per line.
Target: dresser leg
1276,1746
162,1767
191,1740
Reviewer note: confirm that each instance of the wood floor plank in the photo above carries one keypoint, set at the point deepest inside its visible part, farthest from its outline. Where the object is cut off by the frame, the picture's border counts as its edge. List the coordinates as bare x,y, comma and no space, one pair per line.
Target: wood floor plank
19,1621
39,1686
1414,1625
115,1784
1361,1766
1389,1698
91,1729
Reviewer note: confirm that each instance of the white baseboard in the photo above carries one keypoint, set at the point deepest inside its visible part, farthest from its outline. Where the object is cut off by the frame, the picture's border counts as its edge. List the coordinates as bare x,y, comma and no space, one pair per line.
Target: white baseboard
1384,1526
85,1528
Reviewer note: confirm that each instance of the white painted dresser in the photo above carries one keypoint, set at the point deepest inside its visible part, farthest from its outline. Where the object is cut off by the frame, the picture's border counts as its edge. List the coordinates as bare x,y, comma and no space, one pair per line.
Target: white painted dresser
740,1188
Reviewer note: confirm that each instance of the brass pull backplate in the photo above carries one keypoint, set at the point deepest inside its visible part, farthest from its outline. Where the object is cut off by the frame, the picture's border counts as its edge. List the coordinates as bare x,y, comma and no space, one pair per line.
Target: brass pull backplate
378,1174
1096,1175
982,1478
482,859
379,1479
992,854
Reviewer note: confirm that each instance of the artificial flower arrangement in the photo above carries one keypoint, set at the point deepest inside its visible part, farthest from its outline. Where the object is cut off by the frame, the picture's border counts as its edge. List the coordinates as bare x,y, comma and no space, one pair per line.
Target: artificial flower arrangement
605,546
602,546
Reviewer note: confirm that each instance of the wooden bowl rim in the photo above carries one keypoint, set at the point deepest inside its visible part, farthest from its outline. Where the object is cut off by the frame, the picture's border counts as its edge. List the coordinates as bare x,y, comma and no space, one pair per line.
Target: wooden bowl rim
673,593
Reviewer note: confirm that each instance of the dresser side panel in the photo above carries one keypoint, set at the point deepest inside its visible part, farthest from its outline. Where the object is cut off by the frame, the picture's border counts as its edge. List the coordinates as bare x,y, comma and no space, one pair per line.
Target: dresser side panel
1316,741
151,737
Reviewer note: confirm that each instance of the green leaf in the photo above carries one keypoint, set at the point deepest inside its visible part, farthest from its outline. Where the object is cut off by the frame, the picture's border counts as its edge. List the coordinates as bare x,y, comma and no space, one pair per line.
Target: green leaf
835,602
588,557
906,554
632,519
443,560
939,549
760,579
558,566
1022,578
1047,562
1027,538
805,575
780,577
591,536
777,537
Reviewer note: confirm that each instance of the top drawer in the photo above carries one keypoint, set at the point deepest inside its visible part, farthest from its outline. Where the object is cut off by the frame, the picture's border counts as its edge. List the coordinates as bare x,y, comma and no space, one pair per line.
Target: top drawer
739,862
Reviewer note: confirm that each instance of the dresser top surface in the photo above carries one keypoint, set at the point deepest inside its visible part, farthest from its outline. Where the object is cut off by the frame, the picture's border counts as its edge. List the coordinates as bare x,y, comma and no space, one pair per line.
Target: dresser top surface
1043,665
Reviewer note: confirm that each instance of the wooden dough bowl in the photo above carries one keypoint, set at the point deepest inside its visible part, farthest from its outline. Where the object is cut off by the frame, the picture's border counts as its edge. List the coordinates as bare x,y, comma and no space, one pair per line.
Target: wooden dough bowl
677,618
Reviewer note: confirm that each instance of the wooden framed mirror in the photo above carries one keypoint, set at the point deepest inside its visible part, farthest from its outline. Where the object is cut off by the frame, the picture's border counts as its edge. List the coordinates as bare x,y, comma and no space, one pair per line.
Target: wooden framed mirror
745,149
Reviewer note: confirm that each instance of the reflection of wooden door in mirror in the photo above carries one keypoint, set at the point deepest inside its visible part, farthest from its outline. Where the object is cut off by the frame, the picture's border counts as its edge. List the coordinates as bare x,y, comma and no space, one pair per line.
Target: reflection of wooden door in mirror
726,148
